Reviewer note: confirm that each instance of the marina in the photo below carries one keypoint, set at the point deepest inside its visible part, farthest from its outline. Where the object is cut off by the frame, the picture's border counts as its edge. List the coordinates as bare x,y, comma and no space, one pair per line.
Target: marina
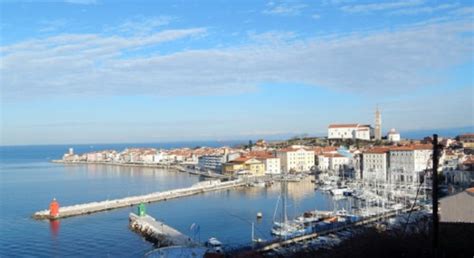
320,211
335,227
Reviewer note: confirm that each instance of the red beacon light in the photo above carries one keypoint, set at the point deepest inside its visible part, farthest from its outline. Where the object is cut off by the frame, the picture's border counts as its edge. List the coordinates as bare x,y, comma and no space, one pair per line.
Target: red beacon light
54,209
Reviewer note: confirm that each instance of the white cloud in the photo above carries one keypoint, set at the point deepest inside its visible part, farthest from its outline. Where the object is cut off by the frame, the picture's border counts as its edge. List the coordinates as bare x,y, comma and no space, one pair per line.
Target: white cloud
425,9
272,37
316,16
284,9
379,63
142,25
52,25
464,11
380,6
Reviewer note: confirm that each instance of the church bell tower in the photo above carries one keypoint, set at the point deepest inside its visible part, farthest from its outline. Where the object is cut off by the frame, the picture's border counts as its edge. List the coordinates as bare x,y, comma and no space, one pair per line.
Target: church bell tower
378,124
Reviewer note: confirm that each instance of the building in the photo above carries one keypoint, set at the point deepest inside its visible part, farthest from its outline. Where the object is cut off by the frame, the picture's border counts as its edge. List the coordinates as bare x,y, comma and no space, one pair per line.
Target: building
467,140
407,163
393,136
211,162
378,125
295,159
332,161
244,166
376,163
349,131
468,163
459,177
272,165
214,161
458,208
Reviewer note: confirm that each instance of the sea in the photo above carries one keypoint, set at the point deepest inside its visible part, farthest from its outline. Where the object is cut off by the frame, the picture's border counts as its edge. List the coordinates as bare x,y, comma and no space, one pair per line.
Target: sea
29,181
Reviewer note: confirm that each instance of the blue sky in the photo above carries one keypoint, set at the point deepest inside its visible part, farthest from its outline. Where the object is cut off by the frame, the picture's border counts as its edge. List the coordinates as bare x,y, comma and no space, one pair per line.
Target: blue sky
84,71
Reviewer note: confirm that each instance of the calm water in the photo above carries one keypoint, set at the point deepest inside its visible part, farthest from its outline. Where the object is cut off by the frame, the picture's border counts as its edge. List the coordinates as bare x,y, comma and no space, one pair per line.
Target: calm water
28,182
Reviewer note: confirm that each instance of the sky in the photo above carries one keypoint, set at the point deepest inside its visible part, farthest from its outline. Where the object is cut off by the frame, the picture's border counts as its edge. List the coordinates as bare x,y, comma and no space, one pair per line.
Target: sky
97,71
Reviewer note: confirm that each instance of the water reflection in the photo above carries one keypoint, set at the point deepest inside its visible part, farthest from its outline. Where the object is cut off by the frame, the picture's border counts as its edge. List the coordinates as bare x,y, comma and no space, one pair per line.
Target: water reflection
54,227
297,191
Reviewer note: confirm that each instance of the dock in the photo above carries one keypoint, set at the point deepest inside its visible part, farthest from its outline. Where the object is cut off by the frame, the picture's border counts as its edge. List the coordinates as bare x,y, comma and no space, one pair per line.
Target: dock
158,232
368,220
92,207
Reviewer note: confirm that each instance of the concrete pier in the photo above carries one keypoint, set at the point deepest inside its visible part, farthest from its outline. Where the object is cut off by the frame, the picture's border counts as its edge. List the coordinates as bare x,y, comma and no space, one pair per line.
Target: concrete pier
92,207
159,233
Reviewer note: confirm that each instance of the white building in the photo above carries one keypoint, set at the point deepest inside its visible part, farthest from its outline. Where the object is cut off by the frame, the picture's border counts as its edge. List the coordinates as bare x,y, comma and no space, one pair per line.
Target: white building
393,136
408,162
332,161
272,165
161,157
295,159
350,131
375,165
323,162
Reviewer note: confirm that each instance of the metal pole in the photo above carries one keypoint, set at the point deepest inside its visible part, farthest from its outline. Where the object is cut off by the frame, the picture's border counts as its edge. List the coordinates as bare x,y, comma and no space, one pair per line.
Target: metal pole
435,194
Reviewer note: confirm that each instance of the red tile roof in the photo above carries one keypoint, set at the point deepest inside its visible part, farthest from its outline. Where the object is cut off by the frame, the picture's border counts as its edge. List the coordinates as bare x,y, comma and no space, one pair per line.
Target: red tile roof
413,147
240,160
290,149
377,150
321,150
342,125
259,154
333,155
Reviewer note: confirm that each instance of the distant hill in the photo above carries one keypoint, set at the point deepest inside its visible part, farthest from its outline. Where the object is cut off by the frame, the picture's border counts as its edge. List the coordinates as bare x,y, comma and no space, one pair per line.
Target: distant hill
445,132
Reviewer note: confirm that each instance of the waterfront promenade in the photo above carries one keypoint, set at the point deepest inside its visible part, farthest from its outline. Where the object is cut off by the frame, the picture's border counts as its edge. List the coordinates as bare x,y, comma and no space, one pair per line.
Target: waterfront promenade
92,207
174,167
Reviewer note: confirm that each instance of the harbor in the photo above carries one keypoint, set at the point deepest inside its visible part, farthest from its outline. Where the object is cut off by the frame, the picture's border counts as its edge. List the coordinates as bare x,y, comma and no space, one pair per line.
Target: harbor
363,205
284,213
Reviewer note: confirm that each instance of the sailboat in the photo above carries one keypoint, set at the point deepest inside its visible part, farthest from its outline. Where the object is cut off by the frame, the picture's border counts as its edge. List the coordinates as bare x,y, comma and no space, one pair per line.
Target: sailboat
285,228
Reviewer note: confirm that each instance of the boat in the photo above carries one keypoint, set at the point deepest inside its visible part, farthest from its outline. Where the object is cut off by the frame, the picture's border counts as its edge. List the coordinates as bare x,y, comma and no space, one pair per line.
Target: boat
287,229
258,184
308,217
325,188
347,192
331,219
342,212
214,245
338,191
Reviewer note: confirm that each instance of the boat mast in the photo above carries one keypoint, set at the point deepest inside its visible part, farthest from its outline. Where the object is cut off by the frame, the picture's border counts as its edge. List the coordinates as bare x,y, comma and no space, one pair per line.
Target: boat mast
253,233
284,193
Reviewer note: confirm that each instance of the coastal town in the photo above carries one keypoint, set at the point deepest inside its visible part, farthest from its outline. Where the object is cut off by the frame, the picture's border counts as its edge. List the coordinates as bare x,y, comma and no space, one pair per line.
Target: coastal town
353,151
387,177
